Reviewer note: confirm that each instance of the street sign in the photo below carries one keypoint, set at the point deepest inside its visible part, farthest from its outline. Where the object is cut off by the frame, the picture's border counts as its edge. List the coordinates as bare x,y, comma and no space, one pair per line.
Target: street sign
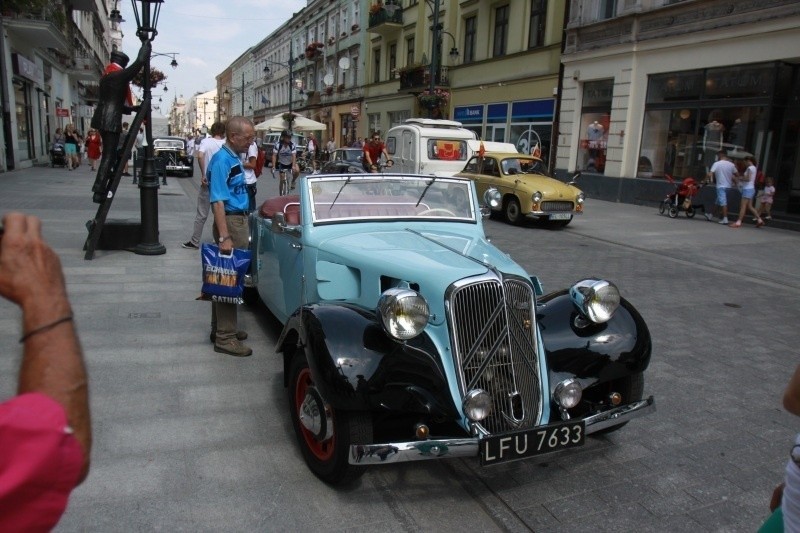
355,111
62,112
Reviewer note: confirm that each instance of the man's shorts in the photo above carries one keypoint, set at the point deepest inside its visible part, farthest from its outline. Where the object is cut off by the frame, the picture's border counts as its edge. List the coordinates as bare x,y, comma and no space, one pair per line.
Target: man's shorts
722,196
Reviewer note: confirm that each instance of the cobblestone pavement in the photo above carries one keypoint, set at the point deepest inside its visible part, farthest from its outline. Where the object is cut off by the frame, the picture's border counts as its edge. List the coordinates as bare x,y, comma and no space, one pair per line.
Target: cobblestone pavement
190,440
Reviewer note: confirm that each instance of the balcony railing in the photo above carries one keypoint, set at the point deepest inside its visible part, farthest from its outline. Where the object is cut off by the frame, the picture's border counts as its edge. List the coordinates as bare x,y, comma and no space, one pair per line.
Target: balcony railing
419,79
381,21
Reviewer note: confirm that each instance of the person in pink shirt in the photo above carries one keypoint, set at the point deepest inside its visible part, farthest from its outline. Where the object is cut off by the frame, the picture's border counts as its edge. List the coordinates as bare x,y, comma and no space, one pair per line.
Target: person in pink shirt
45,430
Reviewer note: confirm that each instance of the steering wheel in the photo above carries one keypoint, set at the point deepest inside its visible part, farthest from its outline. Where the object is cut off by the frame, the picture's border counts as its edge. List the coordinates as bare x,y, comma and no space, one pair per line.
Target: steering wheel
436,210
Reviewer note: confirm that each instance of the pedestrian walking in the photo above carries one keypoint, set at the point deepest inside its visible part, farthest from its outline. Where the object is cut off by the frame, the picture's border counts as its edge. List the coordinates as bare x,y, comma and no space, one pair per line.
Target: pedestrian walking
229,202
722,172
747,185
249,164
330,148
208,147
71,144
767,198
311,153
93,148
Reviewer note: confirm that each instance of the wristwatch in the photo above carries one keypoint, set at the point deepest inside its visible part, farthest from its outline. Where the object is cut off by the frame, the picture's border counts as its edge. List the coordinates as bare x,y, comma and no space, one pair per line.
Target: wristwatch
223,239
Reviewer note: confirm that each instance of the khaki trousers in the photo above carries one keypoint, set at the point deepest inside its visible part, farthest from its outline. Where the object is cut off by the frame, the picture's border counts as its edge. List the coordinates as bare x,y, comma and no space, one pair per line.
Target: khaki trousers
223,316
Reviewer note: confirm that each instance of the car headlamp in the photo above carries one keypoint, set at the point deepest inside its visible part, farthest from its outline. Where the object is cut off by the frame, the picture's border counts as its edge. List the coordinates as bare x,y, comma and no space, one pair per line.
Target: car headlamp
477,405
404,313
536,197
492,197
580,198
597,299
568,393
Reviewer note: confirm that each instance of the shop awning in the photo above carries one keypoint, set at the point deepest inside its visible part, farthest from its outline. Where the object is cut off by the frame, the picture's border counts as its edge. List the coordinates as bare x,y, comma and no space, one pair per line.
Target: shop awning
37,33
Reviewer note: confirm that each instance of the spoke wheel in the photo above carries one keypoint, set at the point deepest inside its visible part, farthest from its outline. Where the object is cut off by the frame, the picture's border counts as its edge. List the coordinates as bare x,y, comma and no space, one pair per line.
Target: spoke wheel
662,208
326,449
673,212
690,212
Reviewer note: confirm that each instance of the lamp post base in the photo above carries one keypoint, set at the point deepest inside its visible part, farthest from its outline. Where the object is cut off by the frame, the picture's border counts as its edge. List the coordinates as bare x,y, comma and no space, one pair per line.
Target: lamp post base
155,248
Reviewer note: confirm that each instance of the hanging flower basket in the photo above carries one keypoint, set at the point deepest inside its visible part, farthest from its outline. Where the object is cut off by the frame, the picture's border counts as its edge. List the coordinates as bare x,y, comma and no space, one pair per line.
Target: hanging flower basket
289,119
438,98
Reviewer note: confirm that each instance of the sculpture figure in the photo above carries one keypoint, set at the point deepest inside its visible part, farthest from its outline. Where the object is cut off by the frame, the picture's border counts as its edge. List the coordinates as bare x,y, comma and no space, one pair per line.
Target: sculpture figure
115,100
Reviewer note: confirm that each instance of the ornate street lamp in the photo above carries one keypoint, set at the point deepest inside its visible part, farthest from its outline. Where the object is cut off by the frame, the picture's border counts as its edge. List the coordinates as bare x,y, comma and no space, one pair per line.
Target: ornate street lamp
146,24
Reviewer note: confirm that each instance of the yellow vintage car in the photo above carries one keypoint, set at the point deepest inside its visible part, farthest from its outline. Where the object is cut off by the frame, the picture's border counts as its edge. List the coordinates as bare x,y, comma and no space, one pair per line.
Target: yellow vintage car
525,190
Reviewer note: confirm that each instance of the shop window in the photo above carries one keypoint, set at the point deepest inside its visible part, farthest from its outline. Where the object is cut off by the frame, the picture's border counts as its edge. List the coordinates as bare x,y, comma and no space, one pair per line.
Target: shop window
595,121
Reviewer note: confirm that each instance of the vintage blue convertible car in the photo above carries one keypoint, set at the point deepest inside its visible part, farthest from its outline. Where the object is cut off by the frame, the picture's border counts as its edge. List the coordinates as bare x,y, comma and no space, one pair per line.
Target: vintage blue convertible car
408,336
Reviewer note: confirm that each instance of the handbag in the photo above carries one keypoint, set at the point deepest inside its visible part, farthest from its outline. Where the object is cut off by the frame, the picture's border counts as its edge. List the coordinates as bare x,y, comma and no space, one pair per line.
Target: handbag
223,275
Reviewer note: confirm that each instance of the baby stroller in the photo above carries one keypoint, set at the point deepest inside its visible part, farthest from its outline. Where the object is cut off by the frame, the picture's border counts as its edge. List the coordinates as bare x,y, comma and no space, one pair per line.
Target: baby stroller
57,155
683,199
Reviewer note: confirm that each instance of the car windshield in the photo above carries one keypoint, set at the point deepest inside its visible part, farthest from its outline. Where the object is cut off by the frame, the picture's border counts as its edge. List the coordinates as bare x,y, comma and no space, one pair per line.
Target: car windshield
347,155
522,165
168,144
347,198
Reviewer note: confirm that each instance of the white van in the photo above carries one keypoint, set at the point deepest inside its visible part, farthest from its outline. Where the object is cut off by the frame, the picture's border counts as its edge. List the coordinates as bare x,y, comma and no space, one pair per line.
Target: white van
428,146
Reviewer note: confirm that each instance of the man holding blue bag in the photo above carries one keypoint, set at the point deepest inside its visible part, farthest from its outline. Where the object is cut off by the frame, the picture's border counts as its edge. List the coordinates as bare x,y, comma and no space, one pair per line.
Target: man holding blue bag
229,203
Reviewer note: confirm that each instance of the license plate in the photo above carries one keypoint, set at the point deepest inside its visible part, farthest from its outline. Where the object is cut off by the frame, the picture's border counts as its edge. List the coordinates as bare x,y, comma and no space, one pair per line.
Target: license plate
497,449
560,216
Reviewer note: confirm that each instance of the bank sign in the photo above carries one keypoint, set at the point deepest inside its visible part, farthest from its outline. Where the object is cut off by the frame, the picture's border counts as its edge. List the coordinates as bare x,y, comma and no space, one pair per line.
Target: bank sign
470,114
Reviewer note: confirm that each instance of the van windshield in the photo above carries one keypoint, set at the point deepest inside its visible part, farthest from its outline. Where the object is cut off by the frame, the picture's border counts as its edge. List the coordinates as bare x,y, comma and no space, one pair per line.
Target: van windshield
447,150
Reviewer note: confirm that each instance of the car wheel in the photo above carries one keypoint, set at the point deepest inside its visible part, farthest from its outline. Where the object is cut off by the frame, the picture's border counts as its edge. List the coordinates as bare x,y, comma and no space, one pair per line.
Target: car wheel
690,212
326,435
632,390
512,211
662,208
673,212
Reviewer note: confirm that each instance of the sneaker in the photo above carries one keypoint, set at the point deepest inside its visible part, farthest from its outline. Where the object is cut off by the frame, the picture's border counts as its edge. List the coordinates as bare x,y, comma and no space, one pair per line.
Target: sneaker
233,347
708,216
724,220
190,245
767,217
240,335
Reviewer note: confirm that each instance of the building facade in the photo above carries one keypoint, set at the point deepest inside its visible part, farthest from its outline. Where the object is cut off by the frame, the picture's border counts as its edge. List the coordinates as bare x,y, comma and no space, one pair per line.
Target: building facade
657,87
52,55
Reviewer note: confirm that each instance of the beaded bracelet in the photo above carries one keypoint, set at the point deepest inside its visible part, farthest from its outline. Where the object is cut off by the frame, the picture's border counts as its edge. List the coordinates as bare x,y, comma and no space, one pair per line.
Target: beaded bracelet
46,327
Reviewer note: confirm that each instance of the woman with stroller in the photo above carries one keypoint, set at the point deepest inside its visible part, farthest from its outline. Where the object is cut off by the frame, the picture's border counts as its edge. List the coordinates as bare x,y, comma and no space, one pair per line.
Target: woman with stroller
747,184
93,143
58,138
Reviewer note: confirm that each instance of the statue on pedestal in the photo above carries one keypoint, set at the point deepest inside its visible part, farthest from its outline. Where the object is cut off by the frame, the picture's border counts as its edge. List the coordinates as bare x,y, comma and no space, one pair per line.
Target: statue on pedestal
115,99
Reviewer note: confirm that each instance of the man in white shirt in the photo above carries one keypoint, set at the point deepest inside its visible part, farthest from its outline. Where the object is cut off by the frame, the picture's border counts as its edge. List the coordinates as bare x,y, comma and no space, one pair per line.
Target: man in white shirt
249,165
722,172
311,152
208,147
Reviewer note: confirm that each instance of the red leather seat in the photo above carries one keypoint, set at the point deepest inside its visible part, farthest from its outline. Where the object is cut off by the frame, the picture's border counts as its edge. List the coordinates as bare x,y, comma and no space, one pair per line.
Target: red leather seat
288,205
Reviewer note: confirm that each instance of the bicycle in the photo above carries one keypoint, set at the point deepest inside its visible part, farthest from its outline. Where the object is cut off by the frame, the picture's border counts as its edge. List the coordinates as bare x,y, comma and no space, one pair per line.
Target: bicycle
283,186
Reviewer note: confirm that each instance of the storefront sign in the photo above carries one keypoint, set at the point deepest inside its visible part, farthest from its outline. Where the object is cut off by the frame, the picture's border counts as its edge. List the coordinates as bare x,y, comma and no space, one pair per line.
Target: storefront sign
62,112
739,81
470,114
598,93
23,67
533,110
355,111
497,113
675,86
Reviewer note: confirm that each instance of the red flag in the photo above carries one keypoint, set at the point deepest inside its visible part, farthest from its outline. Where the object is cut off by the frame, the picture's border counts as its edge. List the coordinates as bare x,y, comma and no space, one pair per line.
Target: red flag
481,150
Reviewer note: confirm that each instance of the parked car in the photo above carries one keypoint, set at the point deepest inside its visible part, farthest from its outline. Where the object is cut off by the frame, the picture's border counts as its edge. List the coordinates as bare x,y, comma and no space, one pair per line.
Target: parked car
173,155
269,140
344,161
408,336
525,189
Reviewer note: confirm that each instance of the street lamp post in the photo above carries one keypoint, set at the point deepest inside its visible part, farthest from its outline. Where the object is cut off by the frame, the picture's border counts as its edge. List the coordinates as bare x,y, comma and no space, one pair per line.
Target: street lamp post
289,64
148,185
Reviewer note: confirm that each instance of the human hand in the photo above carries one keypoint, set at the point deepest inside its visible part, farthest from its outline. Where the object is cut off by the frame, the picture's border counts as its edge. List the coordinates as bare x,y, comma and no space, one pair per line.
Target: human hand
777,496
30,270
226,247
204,181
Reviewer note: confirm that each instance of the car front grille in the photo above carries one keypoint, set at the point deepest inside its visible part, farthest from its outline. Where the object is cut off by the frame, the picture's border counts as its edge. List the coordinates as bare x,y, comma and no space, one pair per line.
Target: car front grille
556,206
494,341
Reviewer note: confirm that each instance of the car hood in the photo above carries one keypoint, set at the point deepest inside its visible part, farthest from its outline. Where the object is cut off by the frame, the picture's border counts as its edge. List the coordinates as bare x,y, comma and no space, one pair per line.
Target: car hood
431,259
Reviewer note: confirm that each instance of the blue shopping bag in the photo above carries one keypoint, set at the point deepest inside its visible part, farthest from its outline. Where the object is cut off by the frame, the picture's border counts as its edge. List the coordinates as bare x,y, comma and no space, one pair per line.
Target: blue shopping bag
223,275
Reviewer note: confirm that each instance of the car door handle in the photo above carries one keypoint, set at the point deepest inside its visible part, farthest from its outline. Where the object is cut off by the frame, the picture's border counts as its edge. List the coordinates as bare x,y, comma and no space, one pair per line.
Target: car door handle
296,246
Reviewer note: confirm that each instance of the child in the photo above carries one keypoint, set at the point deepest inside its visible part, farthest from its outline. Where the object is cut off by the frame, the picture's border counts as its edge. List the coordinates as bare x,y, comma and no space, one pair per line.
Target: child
767,197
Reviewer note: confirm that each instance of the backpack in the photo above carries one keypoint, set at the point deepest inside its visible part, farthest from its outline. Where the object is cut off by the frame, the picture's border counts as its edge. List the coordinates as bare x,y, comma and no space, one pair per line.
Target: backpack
261,159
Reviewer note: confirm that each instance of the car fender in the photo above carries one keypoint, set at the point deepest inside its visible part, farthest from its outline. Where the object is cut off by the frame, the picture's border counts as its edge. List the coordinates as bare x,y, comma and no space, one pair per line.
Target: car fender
595,353
357,366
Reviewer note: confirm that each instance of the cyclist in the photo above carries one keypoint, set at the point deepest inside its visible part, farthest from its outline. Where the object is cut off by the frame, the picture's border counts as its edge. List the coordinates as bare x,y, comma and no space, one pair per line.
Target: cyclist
284,157
372,153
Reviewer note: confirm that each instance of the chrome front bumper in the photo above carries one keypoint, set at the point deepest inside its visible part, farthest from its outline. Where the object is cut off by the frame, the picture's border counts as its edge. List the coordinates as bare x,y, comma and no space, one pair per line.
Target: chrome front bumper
398,452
